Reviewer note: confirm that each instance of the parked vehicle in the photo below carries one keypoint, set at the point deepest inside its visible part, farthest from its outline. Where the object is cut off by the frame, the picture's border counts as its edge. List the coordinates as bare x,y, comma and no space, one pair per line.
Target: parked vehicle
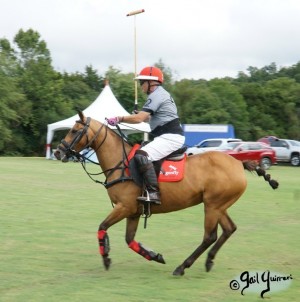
260,152
210,144
268,139
287,150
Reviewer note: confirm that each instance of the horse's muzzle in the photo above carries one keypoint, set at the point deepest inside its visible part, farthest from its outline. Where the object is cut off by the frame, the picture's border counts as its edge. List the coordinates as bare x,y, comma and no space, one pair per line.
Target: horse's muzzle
60,155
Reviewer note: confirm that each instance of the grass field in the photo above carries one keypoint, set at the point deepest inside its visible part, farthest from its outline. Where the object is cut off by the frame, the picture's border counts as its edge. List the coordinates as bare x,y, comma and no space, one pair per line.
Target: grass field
50,214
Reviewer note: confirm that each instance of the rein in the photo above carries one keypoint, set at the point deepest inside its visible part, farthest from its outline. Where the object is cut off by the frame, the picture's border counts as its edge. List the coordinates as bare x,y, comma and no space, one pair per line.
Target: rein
83,159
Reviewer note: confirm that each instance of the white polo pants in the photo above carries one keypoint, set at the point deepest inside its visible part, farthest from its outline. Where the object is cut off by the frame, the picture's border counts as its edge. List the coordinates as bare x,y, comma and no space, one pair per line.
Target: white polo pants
163,145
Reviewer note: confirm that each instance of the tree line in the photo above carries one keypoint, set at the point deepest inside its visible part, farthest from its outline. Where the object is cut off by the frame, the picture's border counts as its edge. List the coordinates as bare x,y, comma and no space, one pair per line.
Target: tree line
258,102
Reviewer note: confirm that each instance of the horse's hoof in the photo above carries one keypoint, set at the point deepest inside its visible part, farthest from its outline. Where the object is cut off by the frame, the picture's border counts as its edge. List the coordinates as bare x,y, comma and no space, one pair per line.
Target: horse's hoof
160,259
209,264
106,262
179,271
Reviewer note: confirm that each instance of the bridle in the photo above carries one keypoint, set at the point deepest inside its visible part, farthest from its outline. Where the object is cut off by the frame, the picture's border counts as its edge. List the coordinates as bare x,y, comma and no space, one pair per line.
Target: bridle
69,151
68,148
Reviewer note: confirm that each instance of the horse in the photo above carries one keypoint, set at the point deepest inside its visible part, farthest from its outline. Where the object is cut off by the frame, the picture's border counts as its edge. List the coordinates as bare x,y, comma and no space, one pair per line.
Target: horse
213,178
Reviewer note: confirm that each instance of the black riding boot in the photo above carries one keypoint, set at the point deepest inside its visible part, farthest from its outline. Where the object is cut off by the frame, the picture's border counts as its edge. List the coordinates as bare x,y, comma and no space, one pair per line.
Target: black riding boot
146,168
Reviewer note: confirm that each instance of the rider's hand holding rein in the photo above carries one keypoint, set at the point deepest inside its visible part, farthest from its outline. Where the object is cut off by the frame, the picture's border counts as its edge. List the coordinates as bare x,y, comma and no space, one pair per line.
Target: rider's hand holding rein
113,121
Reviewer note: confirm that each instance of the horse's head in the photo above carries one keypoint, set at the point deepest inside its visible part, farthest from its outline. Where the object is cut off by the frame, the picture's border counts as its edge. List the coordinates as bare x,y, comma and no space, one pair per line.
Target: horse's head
77,139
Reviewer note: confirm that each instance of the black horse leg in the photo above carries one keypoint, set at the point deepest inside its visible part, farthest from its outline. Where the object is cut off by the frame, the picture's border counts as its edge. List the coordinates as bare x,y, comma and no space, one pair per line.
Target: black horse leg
131,227
229,228
210,236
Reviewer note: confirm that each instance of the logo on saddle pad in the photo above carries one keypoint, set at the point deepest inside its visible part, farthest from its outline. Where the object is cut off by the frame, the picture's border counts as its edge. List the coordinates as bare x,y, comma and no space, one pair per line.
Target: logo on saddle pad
172,170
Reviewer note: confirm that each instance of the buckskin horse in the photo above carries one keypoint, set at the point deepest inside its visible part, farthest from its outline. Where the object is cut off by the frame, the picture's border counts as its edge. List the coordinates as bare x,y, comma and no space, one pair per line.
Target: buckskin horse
215,179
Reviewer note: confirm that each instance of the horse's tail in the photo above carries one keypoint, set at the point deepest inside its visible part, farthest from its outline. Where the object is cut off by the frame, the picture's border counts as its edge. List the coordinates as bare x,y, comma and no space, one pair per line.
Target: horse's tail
252,166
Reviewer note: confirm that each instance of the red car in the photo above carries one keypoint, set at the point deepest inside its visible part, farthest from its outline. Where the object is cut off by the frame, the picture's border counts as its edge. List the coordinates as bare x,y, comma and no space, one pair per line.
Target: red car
260,152
268,139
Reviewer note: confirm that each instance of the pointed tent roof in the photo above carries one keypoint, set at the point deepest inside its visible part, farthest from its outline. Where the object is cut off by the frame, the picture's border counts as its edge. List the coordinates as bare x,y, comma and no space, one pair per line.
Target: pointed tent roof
105,105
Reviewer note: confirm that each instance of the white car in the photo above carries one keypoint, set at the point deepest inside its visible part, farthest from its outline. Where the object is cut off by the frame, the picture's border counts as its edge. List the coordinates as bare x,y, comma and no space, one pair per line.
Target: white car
210,144
287,150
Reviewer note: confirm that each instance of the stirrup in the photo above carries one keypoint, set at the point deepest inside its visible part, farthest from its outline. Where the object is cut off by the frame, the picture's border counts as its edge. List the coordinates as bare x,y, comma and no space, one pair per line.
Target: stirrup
147,198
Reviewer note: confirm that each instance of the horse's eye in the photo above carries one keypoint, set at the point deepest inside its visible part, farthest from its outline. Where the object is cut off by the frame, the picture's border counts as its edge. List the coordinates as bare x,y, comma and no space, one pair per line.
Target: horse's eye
73,131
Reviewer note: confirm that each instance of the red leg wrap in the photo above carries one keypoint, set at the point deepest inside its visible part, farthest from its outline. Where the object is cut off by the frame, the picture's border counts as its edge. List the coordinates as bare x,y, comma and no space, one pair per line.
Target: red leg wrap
138,248
134,246
103,242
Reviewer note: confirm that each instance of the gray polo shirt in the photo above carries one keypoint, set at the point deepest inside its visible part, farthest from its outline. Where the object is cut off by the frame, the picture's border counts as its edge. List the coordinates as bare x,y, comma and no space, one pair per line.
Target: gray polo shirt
161,106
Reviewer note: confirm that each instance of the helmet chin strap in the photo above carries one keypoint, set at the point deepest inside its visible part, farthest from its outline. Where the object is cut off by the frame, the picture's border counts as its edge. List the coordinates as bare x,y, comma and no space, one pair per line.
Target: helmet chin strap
153,85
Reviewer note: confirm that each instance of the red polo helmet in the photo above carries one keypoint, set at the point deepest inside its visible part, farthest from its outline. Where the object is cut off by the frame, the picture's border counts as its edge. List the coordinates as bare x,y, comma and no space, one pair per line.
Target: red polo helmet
151,73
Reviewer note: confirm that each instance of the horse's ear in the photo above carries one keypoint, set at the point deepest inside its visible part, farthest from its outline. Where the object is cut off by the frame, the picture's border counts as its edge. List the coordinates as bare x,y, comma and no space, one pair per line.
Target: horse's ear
81,115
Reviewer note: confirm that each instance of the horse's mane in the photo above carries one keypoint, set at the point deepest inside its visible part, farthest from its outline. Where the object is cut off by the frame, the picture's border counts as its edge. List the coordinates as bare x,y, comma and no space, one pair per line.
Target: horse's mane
121,136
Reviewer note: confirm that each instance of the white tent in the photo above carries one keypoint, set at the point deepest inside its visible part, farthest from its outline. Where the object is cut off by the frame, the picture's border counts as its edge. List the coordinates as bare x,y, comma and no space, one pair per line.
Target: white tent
106,105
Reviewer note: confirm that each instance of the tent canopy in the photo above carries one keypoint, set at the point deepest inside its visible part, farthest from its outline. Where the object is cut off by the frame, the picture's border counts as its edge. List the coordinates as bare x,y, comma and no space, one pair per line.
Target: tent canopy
106,105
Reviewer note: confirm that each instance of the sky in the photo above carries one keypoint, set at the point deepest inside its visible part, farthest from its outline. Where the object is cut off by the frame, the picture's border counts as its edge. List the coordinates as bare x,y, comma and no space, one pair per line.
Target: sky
196,39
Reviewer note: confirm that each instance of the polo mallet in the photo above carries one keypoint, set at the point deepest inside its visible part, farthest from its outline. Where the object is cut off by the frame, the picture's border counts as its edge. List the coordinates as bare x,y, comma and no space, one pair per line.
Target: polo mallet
134,13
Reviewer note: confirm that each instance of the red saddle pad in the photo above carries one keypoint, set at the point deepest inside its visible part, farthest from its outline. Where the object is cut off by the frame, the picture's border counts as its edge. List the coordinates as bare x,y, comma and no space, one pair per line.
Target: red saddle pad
172,170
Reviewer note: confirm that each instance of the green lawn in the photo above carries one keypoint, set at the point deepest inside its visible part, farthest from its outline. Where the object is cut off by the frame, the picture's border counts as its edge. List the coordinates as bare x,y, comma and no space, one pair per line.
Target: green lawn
50,214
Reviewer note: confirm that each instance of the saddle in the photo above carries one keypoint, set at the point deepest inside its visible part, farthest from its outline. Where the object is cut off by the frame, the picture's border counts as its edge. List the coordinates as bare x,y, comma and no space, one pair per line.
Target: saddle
177,155
169,169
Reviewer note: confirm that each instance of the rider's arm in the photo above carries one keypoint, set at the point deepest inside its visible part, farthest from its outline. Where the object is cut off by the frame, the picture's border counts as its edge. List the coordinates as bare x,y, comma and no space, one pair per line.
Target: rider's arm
141,116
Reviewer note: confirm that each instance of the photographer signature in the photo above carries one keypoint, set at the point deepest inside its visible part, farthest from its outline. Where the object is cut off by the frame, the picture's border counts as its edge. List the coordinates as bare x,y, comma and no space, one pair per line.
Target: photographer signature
264,281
